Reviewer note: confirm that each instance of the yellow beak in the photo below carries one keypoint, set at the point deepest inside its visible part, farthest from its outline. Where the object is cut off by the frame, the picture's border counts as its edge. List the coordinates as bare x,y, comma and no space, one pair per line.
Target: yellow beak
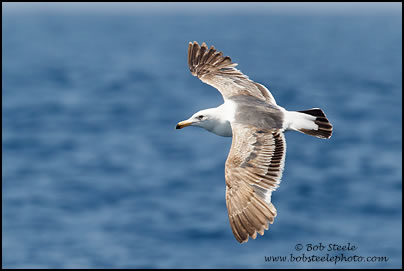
183,124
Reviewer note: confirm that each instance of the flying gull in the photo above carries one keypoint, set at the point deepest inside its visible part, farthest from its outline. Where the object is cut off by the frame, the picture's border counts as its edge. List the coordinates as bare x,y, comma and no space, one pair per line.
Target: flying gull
251,116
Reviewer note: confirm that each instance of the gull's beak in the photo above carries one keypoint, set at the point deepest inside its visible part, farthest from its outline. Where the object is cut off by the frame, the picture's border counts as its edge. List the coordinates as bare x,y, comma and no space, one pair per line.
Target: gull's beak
183,124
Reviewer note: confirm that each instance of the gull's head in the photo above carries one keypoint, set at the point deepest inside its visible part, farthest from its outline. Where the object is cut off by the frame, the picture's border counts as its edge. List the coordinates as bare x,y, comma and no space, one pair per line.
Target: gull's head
210,119
203,118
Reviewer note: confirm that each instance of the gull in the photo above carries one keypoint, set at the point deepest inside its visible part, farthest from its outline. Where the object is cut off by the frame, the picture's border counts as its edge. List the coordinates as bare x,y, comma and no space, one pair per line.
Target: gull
249,115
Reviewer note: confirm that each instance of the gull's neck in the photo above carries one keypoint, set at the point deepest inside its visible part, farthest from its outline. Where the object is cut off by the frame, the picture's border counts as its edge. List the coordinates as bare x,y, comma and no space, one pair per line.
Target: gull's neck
223,116
227,110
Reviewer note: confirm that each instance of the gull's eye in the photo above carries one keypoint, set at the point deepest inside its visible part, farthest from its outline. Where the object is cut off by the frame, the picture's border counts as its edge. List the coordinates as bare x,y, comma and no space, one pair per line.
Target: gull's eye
200,117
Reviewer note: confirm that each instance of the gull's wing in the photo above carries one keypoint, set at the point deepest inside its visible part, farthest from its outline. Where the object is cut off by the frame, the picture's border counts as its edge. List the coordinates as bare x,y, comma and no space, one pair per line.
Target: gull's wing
253,170
219,71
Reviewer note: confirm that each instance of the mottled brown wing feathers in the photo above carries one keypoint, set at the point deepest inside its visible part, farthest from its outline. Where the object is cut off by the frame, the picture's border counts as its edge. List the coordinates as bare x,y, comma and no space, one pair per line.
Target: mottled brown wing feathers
219,71
253,170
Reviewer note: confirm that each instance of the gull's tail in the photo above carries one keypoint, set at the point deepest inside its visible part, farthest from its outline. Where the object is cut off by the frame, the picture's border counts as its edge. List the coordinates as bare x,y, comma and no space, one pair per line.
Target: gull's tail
310,122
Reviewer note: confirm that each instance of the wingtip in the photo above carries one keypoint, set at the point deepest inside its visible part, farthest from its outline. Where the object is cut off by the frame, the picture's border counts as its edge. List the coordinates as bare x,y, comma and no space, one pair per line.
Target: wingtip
244,241
202,45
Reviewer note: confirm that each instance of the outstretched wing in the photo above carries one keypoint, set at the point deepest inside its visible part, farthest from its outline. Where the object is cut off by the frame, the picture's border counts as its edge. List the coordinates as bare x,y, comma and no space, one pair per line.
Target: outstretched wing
219,71
253,170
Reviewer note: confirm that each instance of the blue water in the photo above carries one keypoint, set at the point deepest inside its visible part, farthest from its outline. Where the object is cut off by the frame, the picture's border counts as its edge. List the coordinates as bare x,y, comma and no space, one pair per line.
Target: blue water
95,175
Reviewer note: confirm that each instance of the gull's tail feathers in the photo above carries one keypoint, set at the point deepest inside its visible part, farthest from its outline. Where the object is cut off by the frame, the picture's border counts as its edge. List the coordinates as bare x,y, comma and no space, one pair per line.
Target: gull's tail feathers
310,122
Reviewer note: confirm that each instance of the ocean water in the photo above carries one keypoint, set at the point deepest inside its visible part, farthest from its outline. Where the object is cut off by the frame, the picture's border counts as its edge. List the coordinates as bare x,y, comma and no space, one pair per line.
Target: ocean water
94,174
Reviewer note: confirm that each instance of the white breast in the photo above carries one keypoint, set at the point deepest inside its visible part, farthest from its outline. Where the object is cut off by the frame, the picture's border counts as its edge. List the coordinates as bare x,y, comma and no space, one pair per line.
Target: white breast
222,129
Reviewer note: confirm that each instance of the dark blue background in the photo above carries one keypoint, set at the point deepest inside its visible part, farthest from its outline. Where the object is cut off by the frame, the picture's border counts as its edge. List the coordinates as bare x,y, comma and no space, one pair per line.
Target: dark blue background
96,176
